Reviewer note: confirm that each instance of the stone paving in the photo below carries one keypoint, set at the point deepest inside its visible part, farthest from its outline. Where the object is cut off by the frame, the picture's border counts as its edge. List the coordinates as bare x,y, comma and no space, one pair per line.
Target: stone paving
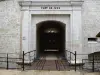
39,72
54,65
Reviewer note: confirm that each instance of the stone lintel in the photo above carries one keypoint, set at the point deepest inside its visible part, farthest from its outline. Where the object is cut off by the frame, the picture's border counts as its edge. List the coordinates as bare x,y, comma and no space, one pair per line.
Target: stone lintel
54,3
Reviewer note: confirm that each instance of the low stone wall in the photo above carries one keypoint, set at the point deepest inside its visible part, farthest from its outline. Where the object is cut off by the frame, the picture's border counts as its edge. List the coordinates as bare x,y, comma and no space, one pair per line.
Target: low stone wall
32,72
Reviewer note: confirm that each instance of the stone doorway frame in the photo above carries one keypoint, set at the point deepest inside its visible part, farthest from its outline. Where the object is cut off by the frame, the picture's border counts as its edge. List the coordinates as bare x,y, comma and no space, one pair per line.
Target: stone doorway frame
62,26
72,8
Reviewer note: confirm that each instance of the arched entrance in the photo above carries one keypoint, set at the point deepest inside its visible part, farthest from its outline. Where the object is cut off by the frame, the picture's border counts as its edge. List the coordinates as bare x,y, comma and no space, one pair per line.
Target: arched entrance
50,38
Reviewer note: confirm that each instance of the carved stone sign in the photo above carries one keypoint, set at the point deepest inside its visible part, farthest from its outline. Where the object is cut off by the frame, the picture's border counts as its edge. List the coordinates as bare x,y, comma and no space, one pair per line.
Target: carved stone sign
50,7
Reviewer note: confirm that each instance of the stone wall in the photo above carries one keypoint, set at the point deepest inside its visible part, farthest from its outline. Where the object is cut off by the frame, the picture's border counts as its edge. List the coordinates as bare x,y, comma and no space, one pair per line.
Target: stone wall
90,23
10,24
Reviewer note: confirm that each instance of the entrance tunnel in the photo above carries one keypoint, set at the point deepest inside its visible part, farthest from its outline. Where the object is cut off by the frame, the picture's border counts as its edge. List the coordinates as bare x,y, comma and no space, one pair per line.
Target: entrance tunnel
51,39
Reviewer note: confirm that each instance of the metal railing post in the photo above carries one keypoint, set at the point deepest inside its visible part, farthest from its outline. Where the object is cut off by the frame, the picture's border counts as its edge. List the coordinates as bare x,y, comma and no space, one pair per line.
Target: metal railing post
23,61
75,60
29,57
34,56
93,64
7,62
82,64
66,54
70,58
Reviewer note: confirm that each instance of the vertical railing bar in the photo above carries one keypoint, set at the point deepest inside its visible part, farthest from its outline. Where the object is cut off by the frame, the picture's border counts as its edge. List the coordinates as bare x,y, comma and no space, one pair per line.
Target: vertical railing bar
93,64
82,64
23,60
29,57
7,62
70,57
66,54
34,56
75,60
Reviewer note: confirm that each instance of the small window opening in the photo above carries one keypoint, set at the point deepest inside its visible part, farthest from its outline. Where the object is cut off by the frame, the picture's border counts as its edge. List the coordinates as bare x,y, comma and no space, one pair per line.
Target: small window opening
92,39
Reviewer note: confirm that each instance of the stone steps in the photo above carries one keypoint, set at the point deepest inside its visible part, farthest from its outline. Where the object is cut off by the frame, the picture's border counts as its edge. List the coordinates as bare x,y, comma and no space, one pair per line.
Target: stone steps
59,65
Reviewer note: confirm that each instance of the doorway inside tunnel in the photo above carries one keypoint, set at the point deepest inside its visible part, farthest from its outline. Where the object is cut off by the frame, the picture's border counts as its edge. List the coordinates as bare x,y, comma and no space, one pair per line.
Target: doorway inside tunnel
50,39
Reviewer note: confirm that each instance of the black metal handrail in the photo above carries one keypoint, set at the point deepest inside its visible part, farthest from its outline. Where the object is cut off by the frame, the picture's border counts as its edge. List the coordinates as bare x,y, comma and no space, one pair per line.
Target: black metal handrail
29,52
8,59
70,51
69,58
29,55
90,64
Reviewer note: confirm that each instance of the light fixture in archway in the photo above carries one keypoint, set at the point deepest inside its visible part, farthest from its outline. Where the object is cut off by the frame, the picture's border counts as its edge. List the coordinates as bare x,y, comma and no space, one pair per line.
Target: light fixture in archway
51,30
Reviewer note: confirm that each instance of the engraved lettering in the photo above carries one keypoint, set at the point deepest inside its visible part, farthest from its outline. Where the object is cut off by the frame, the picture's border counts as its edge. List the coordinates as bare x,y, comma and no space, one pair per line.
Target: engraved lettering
50,7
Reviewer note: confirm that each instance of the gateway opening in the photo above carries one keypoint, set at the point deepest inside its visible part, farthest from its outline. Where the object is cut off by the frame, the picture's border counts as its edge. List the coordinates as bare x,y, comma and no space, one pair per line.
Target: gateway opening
51,39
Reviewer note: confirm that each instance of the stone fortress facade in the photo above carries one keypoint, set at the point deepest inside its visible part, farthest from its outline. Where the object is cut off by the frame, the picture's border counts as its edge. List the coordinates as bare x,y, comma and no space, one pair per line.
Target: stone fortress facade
18,20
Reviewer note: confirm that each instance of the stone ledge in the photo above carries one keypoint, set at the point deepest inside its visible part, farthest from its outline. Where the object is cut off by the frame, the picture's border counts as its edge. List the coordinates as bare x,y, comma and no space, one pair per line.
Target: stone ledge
64,3
78,63
25,62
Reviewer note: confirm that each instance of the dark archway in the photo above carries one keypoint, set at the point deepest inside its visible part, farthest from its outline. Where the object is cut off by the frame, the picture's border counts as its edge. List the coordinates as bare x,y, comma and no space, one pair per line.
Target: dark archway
50,38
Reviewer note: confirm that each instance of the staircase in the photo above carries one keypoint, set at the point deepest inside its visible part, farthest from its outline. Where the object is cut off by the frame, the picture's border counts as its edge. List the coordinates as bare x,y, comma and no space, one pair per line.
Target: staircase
52,62
60,65
49,61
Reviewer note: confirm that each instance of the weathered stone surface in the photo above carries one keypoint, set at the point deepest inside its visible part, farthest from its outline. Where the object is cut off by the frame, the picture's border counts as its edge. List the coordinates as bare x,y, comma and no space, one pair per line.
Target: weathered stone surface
90,23
10,23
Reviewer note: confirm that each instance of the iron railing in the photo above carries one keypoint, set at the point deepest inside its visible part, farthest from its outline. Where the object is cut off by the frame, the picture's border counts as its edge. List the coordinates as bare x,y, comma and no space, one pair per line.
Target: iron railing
9,61
8,58
31,55
71,56
91,64
86,64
